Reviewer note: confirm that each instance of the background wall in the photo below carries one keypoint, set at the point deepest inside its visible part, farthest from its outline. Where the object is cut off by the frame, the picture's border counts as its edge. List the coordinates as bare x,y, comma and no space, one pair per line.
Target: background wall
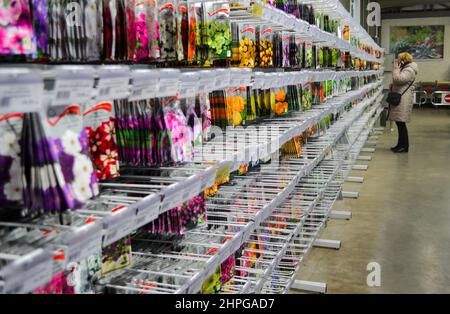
428,70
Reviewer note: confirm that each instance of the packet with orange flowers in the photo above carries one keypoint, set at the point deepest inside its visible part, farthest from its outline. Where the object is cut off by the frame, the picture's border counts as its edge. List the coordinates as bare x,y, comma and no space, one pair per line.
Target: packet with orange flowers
279,101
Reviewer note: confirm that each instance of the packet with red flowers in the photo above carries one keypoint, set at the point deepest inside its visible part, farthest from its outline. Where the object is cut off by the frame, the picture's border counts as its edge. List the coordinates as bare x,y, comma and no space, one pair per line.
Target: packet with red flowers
99,122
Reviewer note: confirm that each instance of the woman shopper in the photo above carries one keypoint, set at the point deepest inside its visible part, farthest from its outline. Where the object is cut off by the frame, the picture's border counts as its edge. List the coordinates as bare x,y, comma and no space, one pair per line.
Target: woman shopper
404,75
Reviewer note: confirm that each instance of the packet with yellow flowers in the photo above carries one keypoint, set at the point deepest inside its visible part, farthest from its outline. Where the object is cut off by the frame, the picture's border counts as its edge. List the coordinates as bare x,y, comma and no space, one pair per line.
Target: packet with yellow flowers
247,45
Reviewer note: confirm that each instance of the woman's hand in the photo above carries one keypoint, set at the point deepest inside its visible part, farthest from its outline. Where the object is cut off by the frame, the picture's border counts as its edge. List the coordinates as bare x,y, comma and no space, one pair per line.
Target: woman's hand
396,66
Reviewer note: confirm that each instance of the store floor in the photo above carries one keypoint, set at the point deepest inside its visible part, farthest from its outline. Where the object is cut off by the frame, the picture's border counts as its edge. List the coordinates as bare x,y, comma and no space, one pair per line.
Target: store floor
401,219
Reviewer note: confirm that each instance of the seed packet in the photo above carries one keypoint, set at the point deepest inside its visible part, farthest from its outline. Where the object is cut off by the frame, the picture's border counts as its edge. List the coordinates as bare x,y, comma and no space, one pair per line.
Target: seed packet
177,128
247,46
183,31
320,57
293,97
39,13
89,271
193,212
218,30
75,30
213,284
189,86
279,102
138,27
192,33
69,145
93,23
283,5
329,89
116,255
307,97
318,93
265,47
99,122
11,185
309,56
168,30
285,45
114,30
299,51
236,99
278,50
59,284
16,29
153,31
294,8
227,269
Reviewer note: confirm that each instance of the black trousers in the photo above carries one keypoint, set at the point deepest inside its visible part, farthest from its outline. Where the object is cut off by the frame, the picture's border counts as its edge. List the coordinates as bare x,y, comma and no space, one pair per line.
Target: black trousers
403,141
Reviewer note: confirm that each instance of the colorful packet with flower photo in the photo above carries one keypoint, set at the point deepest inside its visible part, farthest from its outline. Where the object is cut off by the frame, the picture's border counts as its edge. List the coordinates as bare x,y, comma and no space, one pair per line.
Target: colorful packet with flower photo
99,122
182,31
116,255
39,14
247,45
11,185
178,132
218,31
93,23
138,19
115,45
285,45
16,30
69,146
279,102
168,30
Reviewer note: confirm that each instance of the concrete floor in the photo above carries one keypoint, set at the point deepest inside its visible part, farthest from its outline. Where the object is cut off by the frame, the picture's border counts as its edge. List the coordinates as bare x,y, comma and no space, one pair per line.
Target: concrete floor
401,219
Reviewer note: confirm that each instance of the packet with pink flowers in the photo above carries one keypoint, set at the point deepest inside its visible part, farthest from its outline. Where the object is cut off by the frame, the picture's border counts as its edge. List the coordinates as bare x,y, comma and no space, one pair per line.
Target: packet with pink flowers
16,30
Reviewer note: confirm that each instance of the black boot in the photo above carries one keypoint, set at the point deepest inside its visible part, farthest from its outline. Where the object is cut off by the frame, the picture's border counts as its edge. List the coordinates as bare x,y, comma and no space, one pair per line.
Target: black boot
401,150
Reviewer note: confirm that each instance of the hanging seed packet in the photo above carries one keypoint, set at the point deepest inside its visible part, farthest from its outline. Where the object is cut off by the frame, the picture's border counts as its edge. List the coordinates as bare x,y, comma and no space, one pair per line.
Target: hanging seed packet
69,145
116,255
11,185
93,23
168,31
227,269
299,51
277,50
309,56
193,212
294,8
153,31
39,13
218,30
189,86
138,19
235,56
280,105
236,106
16,30
247,46
285,45
213,284
183,31
99,122
307,97
192,30
177,127
130,21
265,47
115,30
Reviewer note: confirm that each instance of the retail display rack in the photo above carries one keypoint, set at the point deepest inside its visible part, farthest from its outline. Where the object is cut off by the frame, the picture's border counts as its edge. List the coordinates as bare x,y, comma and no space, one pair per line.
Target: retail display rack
264,220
